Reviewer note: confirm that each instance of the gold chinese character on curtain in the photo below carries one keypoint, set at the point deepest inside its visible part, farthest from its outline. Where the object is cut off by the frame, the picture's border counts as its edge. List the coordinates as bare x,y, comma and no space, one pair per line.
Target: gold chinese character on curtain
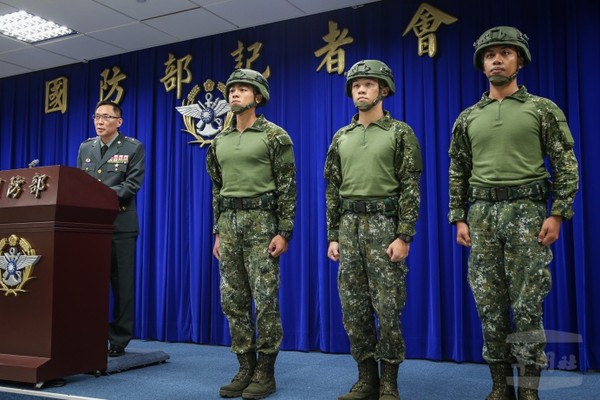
424,24
335,56
109,86
254,49
177,72
56,97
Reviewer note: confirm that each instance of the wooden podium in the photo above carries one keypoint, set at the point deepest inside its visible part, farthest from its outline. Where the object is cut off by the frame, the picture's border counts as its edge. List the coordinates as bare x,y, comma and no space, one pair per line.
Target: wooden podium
56,227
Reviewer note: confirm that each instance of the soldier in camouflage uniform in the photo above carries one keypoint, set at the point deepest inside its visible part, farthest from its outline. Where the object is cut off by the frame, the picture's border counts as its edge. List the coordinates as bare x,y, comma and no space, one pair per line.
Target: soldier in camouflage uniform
497,168
251,164
373,168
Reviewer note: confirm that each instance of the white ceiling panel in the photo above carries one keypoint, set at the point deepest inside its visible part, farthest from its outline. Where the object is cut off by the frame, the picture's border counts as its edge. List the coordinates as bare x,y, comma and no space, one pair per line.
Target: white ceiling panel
7,9
246,14
9,44
36,59
111,27
148,9
135,36
80,47
12,69
191,24
318,6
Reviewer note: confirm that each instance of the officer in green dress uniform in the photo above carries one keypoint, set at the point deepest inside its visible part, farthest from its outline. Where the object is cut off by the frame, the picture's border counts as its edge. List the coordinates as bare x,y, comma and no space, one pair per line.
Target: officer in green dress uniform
118,162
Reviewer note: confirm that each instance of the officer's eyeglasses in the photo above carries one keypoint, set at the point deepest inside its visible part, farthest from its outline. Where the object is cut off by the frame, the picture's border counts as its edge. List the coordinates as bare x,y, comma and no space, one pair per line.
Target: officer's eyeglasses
103,117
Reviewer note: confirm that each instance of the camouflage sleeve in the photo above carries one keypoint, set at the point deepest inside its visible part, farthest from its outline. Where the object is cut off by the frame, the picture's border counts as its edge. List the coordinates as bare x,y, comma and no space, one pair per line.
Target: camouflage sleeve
333,175
460,170
214,170
558,145
284,173
408,165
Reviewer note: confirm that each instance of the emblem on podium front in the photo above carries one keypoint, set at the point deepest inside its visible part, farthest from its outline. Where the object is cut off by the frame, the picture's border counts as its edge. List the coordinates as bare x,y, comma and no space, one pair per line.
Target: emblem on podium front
17,259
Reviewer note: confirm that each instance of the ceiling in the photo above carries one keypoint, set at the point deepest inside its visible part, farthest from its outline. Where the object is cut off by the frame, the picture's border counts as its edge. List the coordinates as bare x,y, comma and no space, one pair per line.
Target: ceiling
110,27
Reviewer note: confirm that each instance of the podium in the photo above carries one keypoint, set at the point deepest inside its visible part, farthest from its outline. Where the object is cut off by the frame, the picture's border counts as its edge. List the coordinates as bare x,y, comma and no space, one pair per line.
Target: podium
56,226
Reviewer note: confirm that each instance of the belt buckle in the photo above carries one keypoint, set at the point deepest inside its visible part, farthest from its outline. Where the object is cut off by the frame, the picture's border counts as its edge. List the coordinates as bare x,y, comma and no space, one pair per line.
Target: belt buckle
501,193
360,207
238,203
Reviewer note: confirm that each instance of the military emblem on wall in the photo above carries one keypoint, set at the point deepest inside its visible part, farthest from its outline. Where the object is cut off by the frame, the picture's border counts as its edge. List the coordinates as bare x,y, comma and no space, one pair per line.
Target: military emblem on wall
204,119
17,259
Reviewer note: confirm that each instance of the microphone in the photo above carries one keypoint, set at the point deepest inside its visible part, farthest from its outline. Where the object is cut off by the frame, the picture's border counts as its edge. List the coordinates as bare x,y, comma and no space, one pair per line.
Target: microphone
34,163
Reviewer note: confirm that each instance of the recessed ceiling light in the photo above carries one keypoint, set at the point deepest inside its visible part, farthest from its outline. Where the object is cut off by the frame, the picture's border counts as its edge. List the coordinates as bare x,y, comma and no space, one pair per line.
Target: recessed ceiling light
30,28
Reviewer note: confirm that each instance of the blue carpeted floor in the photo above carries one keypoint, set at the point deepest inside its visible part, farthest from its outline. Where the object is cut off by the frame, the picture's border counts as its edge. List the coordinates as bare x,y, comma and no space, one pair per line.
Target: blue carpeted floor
195,372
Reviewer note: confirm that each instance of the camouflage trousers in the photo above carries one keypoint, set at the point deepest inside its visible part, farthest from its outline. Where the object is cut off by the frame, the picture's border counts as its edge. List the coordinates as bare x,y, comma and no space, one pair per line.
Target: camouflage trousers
508,272
249,272
370,285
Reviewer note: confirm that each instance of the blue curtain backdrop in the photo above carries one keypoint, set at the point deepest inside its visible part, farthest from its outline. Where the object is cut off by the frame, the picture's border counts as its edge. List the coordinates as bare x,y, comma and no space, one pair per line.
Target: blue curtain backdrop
178,280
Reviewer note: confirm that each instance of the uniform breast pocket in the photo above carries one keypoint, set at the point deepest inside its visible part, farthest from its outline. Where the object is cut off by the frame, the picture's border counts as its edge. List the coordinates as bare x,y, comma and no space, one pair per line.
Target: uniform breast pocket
116,168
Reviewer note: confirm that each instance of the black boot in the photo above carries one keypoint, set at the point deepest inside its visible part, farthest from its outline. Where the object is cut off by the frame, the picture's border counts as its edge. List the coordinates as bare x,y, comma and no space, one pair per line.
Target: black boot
263,380
367,385
242,379
529,381
388,387
503,382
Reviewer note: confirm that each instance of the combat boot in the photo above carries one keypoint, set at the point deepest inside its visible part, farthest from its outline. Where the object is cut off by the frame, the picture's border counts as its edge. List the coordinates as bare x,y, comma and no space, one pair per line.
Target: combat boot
388,387
367,385
503,382
242,379
529,381
263,380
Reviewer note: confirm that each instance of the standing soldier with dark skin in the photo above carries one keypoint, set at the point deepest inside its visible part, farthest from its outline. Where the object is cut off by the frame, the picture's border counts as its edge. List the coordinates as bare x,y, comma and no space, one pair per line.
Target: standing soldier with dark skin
252,168
373,168
117,161
499,187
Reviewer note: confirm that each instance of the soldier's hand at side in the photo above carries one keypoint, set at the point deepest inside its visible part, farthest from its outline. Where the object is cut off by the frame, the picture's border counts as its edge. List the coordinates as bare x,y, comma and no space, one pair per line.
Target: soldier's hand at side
333,252
398,250
278,246
550,230
463,237
217,247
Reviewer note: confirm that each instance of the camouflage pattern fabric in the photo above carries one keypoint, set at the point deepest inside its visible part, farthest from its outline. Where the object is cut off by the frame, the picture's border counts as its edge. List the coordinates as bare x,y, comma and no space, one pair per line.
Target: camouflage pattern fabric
407,168
556,141
507,265
280,149
368,283
248,271
508,269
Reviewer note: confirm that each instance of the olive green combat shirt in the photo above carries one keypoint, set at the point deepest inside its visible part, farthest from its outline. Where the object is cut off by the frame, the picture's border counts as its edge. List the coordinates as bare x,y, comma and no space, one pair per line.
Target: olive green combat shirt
380,161
258,161
504,143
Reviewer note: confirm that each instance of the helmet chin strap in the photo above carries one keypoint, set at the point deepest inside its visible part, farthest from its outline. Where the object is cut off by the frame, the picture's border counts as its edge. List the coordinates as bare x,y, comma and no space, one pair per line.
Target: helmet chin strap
367,107
240,109
498,80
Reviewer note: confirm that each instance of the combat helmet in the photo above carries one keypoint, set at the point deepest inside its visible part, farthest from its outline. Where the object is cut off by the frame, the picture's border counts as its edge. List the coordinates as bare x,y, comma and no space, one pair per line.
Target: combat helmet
250,77
501,35
373,69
